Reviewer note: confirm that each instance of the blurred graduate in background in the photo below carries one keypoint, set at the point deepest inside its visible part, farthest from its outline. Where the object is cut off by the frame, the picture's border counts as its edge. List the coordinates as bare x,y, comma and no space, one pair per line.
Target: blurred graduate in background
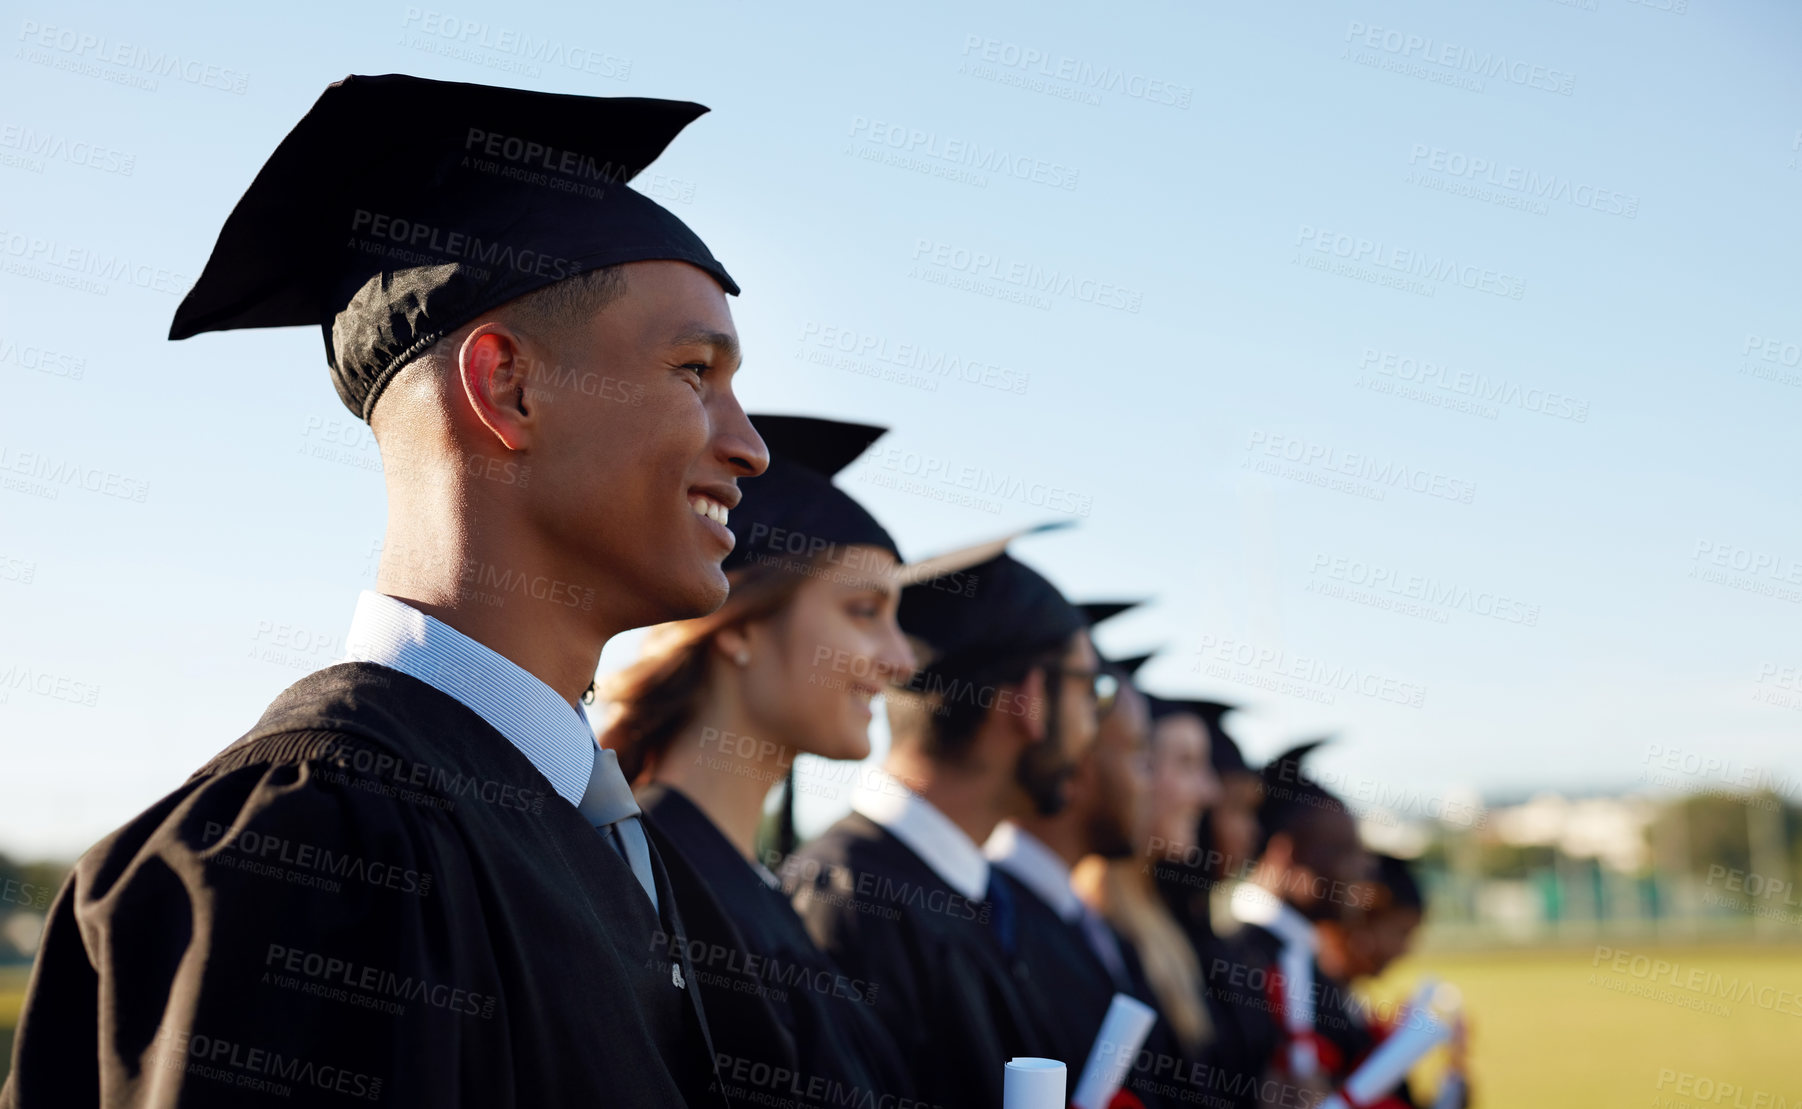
1361,945
1121,888
1311,867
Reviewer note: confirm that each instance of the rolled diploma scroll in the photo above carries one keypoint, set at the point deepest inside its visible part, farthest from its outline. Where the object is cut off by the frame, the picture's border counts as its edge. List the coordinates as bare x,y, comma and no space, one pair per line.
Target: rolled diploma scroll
1384,1070
1123,1032
1451,1087
1032,1084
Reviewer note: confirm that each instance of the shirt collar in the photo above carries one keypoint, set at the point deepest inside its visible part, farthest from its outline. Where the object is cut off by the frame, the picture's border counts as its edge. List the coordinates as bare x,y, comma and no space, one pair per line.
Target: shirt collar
550,732
925,831
1025,857
1256,905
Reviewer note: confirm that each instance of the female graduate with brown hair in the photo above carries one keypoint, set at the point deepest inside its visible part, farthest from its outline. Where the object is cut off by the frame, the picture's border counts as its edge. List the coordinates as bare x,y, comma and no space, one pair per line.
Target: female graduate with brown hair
716,711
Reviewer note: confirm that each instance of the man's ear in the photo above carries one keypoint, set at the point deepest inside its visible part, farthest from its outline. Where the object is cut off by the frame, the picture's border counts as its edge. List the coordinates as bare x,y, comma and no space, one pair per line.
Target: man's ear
1031,696
494,368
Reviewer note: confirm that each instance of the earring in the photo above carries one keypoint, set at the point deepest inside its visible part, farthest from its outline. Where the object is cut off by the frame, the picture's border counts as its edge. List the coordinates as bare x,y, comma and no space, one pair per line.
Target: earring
743,657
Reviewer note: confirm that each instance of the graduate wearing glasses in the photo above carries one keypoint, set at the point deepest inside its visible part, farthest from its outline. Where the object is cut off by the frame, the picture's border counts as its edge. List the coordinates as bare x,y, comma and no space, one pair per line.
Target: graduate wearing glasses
1071,951
716,711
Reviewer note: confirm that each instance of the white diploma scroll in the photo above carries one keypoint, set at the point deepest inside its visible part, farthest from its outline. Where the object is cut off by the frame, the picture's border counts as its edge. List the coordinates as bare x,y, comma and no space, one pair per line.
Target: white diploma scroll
1033,1084
1418,1032
1123,1032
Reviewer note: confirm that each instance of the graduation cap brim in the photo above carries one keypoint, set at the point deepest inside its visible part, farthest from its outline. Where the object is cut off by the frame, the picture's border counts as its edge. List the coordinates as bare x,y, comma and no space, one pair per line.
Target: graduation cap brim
266,267
957,561
1097,611
1130,666
792,513
979,605
1209,711
822,445
410,150
1287,769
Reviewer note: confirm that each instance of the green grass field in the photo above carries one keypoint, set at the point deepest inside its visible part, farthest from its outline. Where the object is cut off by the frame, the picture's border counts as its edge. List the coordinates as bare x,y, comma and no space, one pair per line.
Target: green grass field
1548,1032
1550,1028
12,993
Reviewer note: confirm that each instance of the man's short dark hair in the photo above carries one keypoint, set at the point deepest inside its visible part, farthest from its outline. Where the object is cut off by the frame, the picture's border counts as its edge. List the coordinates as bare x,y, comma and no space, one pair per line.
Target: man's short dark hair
1292,800
559,308
945,705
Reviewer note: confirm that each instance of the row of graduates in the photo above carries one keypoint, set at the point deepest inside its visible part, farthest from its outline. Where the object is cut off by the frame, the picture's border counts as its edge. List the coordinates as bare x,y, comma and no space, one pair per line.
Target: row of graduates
419,880
1041,836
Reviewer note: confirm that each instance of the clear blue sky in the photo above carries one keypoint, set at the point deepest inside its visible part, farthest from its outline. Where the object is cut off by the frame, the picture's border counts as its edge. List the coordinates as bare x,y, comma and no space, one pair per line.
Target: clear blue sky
1226,240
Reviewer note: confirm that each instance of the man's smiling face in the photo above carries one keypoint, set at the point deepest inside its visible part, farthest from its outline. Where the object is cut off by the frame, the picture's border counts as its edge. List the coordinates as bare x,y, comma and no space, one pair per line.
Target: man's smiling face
643,445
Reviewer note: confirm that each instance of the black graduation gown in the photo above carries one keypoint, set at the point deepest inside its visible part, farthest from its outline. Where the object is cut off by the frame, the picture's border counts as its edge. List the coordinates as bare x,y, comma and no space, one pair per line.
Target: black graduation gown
1064,969
786,1022
1346,1037
1060,964
957,1004
1343,1023
1247,1035
371,896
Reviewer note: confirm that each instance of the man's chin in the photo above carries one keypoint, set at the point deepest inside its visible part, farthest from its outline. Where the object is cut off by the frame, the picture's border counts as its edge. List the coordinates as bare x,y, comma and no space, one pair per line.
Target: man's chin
852,747
696,593
706,593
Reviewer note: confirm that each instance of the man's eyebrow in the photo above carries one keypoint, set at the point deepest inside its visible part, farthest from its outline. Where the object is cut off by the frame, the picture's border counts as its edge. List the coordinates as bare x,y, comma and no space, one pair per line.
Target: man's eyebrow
724,342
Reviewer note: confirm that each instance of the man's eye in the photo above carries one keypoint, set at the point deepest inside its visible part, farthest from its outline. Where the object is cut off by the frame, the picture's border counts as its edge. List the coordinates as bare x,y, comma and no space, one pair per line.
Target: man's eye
700,368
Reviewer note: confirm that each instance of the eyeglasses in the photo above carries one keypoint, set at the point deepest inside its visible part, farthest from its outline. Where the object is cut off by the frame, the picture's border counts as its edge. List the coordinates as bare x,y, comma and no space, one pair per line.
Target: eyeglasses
1102,685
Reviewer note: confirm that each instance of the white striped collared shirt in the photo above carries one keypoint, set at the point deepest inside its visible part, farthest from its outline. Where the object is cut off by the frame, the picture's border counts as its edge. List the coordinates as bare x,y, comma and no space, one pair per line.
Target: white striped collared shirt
925,831
550,732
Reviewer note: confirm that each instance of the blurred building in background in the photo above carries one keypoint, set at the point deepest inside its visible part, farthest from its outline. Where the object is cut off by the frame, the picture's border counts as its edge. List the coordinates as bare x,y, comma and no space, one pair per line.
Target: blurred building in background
1554,868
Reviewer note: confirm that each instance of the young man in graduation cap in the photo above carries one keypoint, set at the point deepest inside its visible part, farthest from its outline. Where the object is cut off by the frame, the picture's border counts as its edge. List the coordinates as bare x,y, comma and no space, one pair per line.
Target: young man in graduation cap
417,879
899,891
1069,950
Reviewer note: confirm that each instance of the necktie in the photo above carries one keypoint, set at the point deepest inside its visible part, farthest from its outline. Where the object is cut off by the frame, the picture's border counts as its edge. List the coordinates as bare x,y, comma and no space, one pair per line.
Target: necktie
609,806
1001,909
1106,946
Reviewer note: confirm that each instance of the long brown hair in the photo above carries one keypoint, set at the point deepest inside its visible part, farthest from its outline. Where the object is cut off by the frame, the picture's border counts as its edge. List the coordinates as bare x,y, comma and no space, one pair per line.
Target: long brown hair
1122,892
654,698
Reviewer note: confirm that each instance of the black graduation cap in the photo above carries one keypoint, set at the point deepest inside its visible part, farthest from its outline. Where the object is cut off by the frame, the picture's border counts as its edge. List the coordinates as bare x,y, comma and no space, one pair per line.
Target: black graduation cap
1130,666
1286,767
1097,611
792,512
981,602
399,209
1223,751
1289,792
1398,887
